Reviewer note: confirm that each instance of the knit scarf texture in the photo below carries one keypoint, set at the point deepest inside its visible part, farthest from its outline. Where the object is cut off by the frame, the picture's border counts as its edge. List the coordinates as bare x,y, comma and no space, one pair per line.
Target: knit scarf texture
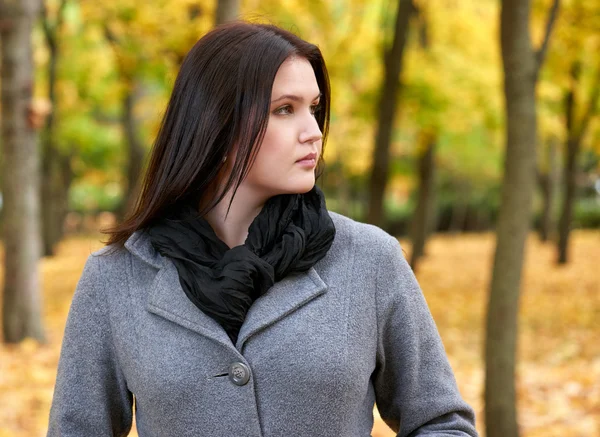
290,235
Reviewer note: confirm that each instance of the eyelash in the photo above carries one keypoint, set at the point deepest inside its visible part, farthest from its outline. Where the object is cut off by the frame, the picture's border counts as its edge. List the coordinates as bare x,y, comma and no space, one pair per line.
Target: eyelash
279,111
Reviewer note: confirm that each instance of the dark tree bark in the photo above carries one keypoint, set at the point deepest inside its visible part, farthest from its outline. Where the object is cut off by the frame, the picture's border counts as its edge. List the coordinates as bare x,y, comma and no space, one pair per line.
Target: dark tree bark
22,242
423,216
345,198
393,60
521,66
575,134
458,216
56,169
227,10
135,151
547,179
57,178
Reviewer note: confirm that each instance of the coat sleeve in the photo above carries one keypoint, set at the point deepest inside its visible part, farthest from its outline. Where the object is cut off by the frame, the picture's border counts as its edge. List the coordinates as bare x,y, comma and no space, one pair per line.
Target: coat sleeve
415,388
91,395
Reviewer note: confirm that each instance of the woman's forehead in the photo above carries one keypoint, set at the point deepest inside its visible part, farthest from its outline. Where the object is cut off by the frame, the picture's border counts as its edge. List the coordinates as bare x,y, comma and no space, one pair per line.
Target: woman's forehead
296,77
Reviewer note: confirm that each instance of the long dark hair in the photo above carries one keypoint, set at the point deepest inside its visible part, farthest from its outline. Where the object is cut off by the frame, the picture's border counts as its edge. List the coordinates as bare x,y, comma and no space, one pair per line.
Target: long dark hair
220,103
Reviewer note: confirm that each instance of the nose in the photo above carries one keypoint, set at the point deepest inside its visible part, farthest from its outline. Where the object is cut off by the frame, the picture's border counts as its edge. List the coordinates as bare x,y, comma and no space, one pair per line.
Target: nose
310,132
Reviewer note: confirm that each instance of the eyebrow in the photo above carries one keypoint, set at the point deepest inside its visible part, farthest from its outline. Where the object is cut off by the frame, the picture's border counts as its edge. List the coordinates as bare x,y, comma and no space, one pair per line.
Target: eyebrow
293,97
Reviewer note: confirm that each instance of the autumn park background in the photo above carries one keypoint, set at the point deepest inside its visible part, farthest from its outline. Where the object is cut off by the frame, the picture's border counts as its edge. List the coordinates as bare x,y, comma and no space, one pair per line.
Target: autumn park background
470,129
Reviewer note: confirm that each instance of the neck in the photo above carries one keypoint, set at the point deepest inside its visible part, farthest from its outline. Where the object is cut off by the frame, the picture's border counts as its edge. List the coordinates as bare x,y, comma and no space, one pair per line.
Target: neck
232,227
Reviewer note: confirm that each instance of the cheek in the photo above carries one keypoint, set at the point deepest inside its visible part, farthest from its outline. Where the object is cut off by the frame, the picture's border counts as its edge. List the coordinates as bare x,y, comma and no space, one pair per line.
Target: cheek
265,165
274,151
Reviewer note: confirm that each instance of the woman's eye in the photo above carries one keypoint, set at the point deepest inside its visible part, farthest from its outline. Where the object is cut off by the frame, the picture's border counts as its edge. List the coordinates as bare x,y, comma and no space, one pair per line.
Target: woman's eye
284,110
288,109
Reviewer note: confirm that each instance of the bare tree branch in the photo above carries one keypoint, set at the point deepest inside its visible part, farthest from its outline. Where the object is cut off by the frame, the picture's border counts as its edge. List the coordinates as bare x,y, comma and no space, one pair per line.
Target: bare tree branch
592,106
422,25
541,53
575,73
51,31
60,14
110,36
46,25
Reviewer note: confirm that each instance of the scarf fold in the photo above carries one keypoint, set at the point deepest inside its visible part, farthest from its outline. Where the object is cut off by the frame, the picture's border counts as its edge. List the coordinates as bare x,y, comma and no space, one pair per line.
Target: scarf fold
290,234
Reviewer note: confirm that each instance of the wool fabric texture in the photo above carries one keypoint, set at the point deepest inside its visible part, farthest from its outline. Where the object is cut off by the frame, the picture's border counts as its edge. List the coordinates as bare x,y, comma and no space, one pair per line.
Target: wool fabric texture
290,234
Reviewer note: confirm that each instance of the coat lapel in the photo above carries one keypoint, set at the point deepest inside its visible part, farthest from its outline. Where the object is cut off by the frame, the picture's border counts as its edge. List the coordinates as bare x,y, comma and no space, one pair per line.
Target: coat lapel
167,299
282,299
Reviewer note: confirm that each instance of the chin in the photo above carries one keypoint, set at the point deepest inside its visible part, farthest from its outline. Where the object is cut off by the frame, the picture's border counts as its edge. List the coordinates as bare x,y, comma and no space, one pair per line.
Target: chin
305,187
297,188
290,185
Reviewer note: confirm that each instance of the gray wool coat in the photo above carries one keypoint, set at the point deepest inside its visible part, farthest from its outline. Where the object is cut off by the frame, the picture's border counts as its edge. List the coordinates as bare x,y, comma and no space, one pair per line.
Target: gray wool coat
313,355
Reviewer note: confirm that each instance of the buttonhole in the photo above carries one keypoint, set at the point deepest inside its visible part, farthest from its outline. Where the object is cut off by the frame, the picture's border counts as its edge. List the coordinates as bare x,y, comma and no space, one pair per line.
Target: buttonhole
221,375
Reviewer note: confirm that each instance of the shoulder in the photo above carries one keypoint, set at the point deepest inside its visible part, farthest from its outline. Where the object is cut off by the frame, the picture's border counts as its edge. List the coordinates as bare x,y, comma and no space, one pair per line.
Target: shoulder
362,236
109,259
114,275
367,245
115,266
137,252
101,268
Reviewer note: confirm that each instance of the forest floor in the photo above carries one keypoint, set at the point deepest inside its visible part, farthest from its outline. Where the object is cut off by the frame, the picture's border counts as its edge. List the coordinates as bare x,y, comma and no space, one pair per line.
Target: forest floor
558,373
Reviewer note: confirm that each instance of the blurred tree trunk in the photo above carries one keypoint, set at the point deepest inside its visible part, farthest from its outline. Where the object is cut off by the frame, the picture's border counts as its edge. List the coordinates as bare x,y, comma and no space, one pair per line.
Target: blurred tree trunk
345,198
22,242
56,167
458,216
423,216
135,151
57,176
392,60
575,133
548,181
521,66
227,10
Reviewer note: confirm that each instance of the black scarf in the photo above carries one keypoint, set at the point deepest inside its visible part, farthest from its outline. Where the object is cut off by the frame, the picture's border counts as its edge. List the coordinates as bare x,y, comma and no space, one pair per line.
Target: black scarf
290,234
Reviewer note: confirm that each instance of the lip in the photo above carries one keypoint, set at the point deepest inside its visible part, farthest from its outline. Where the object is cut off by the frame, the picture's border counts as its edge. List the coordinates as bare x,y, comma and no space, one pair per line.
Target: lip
309,157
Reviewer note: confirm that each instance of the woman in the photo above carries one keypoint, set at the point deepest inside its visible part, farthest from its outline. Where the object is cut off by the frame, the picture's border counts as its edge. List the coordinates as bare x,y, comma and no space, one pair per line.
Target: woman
231,302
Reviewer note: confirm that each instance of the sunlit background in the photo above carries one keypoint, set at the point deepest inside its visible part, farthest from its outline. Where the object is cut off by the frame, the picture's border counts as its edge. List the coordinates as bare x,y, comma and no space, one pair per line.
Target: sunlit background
104,72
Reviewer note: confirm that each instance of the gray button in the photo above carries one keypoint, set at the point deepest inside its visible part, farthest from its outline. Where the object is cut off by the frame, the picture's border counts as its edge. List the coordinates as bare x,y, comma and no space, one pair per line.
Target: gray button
239,373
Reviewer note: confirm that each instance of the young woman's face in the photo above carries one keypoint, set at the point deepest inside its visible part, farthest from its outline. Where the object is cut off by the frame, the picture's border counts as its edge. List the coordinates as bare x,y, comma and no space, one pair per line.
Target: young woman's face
292,134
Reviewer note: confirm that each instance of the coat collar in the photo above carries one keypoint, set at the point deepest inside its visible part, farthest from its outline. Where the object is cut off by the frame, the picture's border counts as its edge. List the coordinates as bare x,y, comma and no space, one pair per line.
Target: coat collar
139,245
167,299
